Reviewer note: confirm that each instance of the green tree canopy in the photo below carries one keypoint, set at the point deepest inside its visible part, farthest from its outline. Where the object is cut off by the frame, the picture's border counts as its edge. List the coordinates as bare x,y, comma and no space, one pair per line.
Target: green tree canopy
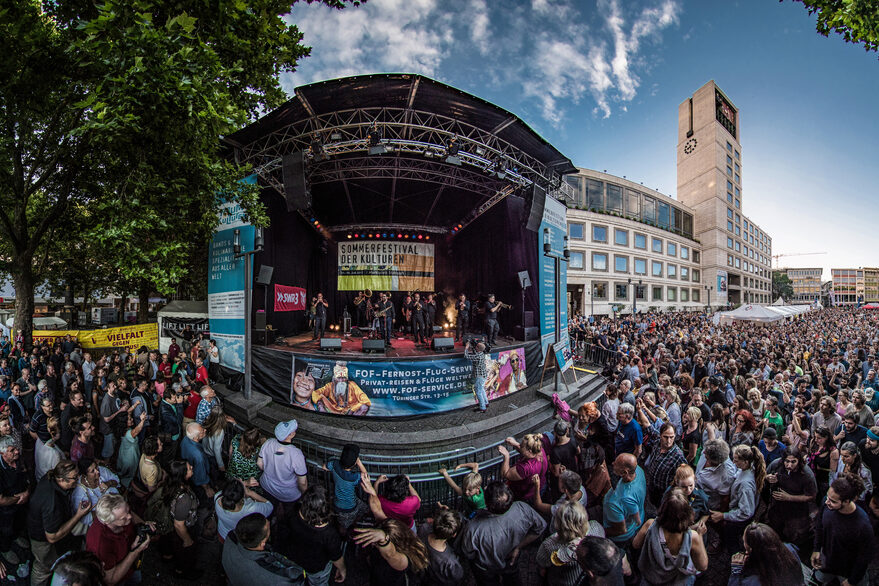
781,286
856,20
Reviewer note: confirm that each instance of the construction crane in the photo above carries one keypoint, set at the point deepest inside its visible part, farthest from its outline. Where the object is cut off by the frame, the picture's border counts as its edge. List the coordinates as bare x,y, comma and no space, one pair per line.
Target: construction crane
778,256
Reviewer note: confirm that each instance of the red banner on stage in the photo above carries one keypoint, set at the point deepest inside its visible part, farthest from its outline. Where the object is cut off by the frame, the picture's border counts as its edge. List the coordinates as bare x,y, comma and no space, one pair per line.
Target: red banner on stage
289,298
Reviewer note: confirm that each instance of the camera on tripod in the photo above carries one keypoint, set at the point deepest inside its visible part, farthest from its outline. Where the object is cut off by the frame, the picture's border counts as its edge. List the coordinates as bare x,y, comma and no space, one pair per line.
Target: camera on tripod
473,340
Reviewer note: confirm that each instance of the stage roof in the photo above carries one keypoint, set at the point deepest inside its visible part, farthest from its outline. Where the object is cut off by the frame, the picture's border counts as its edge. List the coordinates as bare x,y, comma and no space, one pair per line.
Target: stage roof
413,183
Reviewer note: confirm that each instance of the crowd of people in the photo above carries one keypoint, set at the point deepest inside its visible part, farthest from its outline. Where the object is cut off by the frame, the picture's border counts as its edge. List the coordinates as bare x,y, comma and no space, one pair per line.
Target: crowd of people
754,446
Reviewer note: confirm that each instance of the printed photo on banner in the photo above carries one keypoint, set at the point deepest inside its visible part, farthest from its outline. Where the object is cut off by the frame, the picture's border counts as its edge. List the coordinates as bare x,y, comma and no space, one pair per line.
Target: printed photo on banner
506,374
319,387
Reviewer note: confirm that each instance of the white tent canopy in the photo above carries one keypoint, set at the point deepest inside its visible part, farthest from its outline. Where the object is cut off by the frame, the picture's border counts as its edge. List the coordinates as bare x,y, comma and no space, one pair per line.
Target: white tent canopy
178,311
43,323
779,301
760,313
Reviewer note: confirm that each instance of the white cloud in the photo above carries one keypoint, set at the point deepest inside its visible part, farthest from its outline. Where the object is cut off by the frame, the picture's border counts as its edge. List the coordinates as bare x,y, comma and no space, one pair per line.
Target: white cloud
555,52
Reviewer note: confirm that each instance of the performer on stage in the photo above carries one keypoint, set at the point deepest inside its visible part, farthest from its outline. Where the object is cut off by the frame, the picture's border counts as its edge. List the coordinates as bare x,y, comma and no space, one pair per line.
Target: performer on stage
430,316
320,316
491,325
463,319
388,320
406,315
418,319
361,302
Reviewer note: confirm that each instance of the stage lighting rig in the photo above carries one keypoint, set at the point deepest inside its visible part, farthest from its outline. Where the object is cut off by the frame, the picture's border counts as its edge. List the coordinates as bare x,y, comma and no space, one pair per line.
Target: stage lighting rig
374,140
316,149
452,149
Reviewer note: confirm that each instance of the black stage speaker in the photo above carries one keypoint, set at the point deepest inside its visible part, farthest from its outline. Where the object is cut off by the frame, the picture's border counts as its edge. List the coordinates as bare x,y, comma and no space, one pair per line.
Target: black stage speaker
527,334
524,279
373,345
259,321
529,319
535,215
443,344
265,275
295,190
331,344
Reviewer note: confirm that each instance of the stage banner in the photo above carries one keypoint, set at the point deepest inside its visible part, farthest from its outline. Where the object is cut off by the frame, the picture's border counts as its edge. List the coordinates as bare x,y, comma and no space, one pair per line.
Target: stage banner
130,337
289,298
386,266
173,327
563,356
399,388
553,229
226,283
722,280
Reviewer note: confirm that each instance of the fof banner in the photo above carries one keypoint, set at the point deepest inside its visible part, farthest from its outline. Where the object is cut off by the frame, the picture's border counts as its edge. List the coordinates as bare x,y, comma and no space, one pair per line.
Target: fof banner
386,266
289,298
553,229
130,337
399,388
226,283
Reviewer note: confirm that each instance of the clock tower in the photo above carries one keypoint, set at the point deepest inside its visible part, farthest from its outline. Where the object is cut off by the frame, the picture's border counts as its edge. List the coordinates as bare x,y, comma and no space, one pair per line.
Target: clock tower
736,254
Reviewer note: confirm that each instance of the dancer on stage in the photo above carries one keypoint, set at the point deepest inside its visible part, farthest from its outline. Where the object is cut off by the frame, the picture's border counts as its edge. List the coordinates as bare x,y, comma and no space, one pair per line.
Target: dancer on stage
320,316
463,318
386,311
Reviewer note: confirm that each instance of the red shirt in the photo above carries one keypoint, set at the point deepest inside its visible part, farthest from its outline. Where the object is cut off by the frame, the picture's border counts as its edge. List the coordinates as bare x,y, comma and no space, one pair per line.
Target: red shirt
192,408
165,369
111,548
404,511
173,351
201,375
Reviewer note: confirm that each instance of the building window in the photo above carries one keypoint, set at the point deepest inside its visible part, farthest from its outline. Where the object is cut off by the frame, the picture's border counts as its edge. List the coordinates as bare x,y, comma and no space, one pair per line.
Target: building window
738,179
657,294
663,212
729,242
738,263
640,292
729,160
738,219
737,155
599,291
729,197
738,231
729,225
729,213
729,260
640,266
738,204
633,204
648,210
621,237
621,264
656,268
696,295
640,241
695,277
599,233
575,231
657,245
599,261
696,256
594,194
685,294
738,192
672,249
621,292
729,171
728,185
736,166
738,246
672,294
685,253
672,271
685,274
729,146
576,261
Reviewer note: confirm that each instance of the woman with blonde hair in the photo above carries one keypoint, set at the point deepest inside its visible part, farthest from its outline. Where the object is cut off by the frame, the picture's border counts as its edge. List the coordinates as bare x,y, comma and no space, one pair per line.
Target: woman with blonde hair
557,555
532,460
397,554
692,433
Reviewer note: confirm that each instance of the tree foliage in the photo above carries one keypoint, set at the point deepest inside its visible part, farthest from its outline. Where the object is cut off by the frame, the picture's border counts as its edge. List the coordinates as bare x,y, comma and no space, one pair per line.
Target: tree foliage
781,286
856,20
110,119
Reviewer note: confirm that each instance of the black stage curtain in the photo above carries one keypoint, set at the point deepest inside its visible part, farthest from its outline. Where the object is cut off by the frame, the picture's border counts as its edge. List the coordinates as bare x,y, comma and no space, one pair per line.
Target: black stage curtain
485,257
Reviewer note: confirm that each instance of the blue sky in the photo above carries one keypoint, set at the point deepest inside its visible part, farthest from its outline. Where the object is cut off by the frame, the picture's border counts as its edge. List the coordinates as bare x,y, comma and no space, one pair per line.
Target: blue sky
602,81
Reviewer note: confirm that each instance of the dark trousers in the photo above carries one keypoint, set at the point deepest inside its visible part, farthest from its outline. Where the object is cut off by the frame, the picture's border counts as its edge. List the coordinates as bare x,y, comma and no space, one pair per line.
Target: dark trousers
461,326
388,324
418,329
491,330
320,324
506,577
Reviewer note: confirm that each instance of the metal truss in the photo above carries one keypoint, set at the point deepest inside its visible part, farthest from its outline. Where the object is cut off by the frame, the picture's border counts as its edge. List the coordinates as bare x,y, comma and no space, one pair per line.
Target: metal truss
391,227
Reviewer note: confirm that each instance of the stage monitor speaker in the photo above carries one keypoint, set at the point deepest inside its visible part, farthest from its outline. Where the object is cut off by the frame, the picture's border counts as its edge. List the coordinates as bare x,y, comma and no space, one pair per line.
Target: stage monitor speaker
524,279
527,334
259,321
265,275
373,345
535,215
443,344
331,344
529,319
295,189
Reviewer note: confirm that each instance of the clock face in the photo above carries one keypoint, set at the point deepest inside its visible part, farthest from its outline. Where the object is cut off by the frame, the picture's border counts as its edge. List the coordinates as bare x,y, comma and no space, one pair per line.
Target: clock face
690,146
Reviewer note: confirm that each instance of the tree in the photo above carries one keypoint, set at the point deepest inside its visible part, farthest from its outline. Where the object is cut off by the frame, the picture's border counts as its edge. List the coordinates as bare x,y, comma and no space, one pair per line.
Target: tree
119,106
781,286
856,20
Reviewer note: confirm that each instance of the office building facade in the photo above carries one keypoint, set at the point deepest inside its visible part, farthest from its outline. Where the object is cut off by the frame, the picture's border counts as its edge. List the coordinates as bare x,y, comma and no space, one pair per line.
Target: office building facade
806,283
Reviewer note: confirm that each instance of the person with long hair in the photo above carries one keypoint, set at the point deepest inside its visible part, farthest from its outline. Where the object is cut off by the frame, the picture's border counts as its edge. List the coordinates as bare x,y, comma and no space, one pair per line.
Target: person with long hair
312,542
850,462
692,434
181,505
48,454
765,560
215,433
243,455
716,427
742,495
397,553
792,486
532,460
685,480
671,552
823,458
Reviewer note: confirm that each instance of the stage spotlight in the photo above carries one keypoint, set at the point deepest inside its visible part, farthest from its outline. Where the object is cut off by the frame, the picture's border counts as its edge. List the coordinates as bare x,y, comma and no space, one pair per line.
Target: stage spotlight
369,235
349,237
419,236
405,236
356,236
427,237
460,226
336,136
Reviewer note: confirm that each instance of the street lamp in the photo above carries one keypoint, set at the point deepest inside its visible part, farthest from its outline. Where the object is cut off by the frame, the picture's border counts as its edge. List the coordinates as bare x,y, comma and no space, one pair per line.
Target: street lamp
557,260
708,289
635,296
236,248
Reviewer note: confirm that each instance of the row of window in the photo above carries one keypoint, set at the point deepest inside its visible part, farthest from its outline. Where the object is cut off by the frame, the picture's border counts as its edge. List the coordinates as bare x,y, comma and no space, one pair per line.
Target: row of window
621,238
748,267
748,252
639,266
600,291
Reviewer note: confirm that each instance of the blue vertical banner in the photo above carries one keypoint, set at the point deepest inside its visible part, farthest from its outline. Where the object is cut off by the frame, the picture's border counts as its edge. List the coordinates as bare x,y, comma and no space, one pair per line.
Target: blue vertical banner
553,229
226,283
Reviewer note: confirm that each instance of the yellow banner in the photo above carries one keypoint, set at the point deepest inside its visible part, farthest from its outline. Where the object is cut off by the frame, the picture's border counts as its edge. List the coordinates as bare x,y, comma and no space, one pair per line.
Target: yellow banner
131,337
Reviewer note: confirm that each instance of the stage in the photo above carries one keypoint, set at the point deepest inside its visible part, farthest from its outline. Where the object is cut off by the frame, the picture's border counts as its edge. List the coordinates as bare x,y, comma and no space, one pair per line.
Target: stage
402,346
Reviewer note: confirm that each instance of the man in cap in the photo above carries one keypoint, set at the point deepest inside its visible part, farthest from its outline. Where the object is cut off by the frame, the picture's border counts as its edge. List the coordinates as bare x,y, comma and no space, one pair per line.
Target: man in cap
284,476
340,395
347,472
